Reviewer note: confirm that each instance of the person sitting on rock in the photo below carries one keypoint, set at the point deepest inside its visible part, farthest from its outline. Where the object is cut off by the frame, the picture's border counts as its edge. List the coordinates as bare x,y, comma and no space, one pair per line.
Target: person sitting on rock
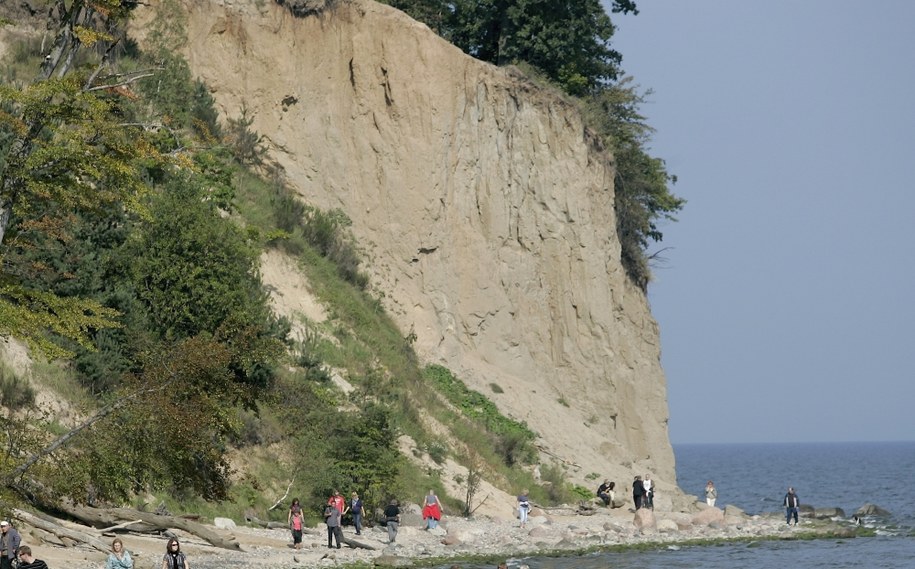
605,492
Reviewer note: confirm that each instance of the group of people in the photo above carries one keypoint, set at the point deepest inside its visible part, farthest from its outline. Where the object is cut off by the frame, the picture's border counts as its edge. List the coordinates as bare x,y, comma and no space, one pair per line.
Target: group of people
791,502
14,554
643,492
337,507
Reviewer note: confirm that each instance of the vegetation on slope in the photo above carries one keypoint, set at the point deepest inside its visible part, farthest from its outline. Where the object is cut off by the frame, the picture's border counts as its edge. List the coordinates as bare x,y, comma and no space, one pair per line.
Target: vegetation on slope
133,220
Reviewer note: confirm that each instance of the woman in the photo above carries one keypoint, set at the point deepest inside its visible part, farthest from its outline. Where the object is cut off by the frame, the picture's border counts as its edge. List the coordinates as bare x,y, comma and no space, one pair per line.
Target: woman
173,558
524,507
432,510
355,508
711,494
296,524
119,558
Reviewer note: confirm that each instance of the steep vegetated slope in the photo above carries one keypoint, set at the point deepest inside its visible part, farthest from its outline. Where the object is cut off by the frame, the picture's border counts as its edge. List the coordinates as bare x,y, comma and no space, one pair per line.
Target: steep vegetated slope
484,207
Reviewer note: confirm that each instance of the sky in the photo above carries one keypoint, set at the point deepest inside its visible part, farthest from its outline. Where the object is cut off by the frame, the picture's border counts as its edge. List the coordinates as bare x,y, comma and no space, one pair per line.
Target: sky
786,302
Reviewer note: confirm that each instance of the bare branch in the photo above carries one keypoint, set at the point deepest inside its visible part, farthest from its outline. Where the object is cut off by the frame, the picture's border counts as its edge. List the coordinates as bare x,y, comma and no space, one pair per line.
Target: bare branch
123,83
10,479
278,502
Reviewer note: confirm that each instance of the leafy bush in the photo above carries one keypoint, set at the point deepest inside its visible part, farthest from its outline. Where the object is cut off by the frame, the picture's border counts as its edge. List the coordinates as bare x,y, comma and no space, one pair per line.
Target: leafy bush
513,440
15,392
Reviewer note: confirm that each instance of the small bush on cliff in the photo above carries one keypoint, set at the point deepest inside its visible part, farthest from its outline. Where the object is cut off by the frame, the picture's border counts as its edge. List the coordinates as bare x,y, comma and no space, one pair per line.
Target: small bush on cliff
512,440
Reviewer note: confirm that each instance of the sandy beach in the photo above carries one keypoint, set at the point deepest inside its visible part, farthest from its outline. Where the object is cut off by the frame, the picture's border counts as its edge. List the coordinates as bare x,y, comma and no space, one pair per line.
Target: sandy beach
556,529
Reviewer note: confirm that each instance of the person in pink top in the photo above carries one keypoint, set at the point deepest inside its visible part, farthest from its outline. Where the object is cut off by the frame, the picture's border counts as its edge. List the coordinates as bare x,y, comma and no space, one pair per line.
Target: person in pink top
337,501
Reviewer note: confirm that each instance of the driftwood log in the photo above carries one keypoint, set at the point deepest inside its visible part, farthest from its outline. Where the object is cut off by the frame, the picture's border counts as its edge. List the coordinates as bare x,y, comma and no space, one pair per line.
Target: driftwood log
357,544
261,523
105,518
62,533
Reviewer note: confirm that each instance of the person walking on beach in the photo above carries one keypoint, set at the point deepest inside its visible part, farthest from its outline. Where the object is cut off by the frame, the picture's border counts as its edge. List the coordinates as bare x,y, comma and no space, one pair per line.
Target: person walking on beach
432,510
333,519
337,501
392,518
297,526
638,492
791,506
355,508
711,494
295,519
524,507
9,544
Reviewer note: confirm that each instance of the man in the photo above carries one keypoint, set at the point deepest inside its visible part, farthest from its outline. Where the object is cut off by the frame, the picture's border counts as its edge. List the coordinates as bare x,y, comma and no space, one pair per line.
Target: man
9,544
29,562
791,506
638,492
605,492
337,501
392,519
332,517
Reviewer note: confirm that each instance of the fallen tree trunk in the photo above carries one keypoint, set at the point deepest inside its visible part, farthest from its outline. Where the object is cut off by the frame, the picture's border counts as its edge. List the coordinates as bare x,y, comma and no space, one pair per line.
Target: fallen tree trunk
357,544
261,523
62,533
107,517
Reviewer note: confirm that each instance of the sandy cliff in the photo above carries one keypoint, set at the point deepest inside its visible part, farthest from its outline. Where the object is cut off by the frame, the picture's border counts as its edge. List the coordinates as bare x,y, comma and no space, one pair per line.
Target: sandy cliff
485,210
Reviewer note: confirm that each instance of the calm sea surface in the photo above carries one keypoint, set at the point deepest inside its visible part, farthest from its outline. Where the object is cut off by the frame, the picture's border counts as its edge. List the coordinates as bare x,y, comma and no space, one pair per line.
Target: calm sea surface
755,477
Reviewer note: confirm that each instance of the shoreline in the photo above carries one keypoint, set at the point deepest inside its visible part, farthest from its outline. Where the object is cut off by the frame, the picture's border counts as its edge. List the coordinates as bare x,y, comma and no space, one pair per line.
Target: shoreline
468,541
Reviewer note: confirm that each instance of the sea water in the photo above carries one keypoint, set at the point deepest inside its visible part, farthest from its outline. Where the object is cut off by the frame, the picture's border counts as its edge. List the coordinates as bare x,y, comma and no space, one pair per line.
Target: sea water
755,477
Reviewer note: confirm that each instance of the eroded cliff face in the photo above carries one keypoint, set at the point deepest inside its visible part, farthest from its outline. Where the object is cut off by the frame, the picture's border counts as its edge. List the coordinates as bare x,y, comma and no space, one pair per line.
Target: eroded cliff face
485,210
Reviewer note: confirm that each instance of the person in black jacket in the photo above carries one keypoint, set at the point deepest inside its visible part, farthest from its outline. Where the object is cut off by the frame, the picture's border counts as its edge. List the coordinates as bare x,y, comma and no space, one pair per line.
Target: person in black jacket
791,506
29,562
638,492
605,492
392,519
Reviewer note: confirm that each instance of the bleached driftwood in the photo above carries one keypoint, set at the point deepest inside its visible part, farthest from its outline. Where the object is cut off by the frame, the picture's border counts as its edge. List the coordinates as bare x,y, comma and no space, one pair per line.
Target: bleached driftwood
107,517
59,531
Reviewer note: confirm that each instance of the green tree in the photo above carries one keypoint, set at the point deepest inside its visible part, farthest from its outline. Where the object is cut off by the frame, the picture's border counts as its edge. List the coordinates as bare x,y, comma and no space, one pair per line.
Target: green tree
568,41
642,184
65,147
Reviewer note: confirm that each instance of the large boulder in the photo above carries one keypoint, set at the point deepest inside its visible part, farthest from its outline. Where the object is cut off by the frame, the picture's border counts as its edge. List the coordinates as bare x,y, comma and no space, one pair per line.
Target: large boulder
708,516
224,523
644,520
872,510
828,513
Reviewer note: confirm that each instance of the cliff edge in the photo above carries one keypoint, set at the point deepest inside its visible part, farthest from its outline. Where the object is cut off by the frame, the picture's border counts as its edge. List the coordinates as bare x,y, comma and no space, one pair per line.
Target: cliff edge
484,207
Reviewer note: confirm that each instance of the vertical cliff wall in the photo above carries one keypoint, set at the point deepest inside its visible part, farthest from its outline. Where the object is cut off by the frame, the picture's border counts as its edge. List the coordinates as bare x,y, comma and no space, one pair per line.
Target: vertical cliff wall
485,210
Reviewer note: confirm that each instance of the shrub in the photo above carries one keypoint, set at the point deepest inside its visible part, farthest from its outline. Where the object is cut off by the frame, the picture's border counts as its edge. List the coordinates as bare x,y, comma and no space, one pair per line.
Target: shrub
15,392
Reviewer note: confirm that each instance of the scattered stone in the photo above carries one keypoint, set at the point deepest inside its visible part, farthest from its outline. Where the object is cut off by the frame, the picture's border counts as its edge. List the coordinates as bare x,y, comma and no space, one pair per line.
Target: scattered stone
393,561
